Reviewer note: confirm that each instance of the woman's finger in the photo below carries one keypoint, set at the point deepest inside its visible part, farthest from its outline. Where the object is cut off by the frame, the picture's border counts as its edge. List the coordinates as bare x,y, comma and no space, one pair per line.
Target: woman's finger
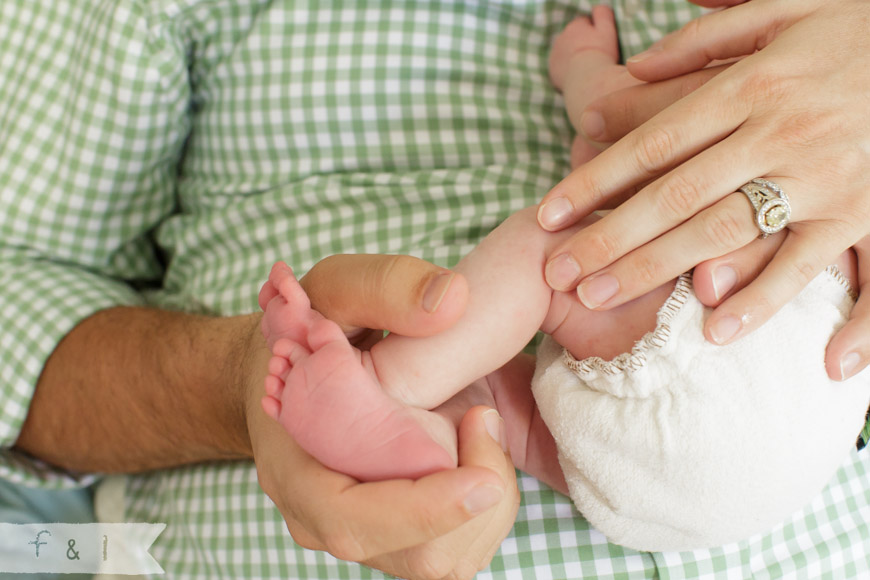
716,279
676,134
714,231
849,350
737,31
659,207
741,131
801,257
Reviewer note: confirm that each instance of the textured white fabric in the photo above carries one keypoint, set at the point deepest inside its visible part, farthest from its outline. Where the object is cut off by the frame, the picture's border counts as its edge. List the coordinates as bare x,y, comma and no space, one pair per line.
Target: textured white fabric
681,444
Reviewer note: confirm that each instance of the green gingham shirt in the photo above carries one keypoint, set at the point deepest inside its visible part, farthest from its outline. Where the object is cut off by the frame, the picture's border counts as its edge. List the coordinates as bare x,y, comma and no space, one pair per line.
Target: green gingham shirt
218,136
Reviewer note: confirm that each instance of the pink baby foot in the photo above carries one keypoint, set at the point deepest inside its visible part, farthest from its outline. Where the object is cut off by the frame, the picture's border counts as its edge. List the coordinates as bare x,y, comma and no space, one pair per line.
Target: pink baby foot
319,390
287,309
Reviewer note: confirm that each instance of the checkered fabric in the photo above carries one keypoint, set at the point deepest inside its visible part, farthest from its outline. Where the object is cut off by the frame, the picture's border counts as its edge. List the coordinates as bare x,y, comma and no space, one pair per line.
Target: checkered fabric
218,136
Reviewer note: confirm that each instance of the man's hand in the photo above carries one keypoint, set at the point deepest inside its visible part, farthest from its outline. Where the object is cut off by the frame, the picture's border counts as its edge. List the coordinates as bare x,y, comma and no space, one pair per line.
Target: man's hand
448,524
136,389
401,294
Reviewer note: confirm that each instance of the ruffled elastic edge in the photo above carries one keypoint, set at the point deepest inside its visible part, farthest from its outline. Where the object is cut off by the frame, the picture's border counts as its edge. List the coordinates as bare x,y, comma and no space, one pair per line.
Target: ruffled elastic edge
653,340
841,279
658,338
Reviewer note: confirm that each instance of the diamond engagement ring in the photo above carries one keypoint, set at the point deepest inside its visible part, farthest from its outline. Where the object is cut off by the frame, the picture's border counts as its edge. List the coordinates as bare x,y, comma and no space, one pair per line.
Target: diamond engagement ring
772,209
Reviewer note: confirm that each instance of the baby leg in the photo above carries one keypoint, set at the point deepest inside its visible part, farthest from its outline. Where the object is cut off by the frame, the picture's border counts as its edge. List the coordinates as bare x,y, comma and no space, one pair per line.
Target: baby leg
324,393
373,430
372,433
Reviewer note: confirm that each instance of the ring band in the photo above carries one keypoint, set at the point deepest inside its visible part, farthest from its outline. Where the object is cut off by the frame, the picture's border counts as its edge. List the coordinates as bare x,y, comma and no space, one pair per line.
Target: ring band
772,210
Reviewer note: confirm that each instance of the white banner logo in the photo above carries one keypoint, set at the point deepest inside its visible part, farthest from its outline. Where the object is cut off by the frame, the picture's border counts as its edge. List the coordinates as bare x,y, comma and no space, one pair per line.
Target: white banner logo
84,548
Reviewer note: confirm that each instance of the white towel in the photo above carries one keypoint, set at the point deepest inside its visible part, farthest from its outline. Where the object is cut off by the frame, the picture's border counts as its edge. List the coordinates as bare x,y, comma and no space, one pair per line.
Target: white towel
681,444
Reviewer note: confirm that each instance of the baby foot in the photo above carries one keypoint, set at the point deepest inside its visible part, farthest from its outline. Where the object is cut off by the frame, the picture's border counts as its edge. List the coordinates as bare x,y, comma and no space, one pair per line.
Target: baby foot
287,310
325,394
595,32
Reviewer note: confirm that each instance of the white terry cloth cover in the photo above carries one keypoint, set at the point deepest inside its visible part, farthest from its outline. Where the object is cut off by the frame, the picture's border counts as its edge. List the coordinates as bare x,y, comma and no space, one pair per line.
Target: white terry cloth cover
682,444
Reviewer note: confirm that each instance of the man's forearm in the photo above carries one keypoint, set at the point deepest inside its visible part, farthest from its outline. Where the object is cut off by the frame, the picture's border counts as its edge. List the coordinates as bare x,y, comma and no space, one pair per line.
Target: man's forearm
133,389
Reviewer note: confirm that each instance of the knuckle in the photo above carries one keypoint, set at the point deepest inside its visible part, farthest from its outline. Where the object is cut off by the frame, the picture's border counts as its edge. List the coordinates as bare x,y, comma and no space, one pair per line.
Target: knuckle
388,273
267,486
695,34
807,128
692,31
647,270
602,247
430,564
764,84
801,272
845,231
465,570
593,193
679,196
388,268
302,538
852,163
306,543
344,545
427,522
654,150
725,231
763,305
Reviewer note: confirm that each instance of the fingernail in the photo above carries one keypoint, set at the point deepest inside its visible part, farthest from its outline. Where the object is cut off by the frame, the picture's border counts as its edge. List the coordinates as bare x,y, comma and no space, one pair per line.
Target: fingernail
562,272
651,51
495,427
592,124
436,290
598,290
725,329
481,498
724,279
555,213
848,364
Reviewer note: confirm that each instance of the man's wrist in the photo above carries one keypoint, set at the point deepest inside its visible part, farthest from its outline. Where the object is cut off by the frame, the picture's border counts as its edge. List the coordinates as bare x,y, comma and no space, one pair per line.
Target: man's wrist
245,369
133,389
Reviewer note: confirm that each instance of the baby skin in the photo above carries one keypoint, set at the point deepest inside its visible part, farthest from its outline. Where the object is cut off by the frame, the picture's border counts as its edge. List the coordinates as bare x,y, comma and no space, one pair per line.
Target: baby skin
364,413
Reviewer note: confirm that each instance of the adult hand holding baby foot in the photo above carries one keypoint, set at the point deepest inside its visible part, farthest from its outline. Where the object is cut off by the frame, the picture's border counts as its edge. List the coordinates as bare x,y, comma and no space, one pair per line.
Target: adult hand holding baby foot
446,524
792,111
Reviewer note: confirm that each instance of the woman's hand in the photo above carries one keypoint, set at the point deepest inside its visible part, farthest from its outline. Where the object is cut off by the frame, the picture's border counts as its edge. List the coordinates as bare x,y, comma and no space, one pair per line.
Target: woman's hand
610,118
795,112
448,524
